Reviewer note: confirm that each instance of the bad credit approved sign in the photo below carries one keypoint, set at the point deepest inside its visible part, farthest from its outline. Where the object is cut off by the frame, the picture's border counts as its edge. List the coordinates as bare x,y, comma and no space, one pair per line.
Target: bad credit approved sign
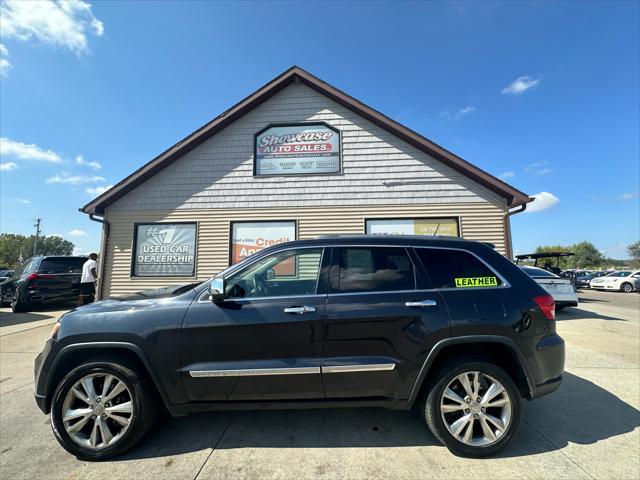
297,149
248,238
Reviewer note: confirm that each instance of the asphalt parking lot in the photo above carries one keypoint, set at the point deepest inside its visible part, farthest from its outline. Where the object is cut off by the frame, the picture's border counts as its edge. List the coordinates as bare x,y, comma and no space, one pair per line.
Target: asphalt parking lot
589,428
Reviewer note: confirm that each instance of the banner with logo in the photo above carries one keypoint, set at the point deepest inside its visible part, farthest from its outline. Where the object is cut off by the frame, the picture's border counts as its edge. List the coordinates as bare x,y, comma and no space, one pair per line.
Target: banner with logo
164,250
248,238
410,226
296,149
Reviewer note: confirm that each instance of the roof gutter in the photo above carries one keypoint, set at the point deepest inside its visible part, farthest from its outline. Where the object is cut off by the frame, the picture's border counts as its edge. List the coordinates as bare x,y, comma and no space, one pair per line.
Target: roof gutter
507,229
103,252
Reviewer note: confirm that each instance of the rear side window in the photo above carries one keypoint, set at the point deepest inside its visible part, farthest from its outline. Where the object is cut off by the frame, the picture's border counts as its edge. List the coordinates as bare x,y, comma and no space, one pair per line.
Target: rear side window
62,265
456,269
372,269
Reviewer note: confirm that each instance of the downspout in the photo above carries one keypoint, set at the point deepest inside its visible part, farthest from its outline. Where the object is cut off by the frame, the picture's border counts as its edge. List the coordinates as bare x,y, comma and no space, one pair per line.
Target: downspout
507,228
103,253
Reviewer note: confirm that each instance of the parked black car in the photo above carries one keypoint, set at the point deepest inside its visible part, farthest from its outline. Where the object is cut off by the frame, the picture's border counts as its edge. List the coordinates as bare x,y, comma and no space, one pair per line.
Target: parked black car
5,274
448,324
42,280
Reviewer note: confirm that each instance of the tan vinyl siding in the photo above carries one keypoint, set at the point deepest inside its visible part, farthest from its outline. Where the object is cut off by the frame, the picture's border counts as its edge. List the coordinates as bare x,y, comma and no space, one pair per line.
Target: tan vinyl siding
377,168
478,221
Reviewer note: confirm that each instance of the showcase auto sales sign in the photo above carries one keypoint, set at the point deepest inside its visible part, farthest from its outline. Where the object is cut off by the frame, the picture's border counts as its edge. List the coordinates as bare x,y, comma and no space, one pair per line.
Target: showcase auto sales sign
297,149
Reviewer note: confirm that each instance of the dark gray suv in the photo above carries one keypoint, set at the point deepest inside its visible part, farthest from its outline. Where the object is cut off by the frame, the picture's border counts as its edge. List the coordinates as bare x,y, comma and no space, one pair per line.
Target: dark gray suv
446,324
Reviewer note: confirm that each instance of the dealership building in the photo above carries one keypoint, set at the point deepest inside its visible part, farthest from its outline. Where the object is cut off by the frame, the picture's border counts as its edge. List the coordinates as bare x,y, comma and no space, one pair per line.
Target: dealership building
296,159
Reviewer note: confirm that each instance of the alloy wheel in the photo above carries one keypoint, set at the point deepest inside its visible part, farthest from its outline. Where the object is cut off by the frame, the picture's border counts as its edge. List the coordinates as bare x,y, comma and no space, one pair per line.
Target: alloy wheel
476,409
626,288
97,410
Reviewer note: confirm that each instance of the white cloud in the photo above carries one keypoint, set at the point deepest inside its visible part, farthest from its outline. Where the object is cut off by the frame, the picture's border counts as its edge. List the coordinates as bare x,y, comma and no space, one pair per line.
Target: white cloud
24,151
8,166
62,23
543,200
5,64
446,114
68,179
627,196
537,168
520,85
22,200
83,163
506,175
76,232
98,190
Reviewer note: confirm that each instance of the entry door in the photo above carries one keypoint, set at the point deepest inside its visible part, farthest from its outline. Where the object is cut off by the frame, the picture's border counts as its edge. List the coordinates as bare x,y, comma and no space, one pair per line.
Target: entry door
263,342
378,326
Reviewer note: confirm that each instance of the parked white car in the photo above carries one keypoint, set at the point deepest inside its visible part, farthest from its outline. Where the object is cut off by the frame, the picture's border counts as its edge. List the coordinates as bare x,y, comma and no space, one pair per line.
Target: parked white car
621,281
561,289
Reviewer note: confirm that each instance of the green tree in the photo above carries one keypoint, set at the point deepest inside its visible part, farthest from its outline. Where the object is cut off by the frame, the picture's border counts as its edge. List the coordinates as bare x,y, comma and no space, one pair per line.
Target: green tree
587,255
634,253
12,246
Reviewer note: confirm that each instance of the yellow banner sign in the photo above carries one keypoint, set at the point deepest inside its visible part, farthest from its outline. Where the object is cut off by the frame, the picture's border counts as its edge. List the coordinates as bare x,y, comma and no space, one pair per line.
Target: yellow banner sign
477,282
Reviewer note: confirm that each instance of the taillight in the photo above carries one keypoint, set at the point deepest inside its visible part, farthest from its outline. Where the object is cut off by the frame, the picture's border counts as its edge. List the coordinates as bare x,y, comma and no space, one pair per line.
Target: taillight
547,305
36,276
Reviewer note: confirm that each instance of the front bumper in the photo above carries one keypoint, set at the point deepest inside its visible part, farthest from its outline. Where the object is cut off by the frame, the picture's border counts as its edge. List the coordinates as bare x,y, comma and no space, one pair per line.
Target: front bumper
41,367
548,365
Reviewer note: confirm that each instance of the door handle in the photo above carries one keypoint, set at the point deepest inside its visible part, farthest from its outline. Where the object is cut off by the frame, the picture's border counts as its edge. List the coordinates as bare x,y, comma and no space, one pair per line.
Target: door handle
300,310
421,303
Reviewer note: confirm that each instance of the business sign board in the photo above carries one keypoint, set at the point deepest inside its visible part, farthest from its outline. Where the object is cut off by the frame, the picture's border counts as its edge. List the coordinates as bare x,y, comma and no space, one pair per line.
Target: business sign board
248,238
303,148
411,226
164,250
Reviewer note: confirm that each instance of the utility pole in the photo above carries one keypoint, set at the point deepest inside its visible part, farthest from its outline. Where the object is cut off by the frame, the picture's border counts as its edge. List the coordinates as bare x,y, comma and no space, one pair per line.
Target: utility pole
35,242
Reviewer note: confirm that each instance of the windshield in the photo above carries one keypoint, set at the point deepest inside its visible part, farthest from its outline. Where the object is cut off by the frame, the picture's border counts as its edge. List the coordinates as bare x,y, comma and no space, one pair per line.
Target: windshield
619,274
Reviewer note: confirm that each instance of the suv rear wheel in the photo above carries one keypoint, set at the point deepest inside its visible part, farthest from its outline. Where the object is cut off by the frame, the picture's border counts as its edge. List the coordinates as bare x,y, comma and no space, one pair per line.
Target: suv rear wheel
17,305
473,408
101,409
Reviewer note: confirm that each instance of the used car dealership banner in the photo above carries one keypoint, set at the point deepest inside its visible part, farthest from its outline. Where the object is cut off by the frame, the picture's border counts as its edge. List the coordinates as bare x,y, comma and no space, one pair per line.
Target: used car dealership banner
248,238
410,226
297,149
164,249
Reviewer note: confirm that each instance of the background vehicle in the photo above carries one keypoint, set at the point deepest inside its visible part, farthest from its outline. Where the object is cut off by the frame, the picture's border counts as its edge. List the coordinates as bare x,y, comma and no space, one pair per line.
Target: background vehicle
42,280
549,261
343,321
561,289
622,280
584,280
5,274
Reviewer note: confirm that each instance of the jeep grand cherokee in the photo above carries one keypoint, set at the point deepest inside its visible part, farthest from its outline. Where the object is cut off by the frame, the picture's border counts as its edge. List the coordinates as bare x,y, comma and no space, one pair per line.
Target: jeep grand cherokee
446,324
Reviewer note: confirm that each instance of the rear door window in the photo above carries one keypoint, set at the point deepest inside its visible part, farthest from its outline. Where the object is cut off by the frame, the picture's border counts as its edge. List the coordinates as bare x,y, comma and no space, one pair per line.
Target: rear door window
62,265
372,269
456,269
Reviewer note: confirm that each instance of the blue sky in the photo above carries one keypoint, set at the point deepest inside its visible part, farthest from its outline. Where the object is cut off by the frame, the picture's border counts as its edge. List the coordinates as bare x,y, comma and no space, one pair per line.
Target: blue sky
544,94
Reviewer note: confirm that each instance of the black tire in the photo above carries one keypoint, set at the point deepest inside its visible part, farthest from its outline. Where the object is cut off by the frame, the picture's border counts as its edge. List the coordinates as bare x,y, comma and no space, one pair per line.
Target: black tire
144,408
3,302
17,305
432,410
626,287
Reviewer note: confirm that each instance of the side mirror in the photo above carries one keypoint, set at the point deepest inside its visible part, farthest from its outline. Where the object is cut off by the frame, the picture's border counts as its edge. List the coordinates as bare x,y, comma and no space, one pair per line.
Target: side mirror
216,289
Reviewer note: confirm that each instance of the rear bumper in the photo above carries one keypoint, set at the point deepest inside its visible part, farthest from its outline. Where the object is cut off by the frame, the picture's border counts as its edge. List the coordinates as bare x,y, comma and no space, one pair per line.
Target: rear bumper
567,303
548,365
42,296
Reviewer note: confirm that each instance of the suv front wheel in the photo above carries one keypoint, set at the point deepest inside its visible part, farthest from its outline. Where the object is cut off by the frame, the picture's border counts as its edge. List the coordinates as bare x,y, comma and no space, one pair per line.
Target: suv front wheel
473,408
101,409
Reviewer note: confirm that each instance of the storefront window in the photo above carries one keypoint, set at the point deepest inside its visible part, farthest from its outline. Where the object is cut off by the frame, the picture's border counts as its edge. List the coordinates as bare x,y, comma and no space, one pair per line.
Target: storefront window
413,226
248,238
